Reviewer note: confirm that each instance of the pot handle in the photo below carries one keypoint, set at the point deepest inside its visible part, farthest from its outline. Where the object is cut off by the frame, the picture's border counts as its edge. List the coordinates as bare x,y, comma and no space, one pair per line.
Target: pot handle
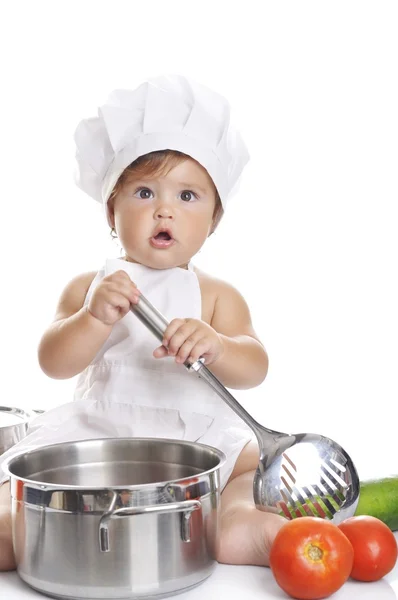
186,507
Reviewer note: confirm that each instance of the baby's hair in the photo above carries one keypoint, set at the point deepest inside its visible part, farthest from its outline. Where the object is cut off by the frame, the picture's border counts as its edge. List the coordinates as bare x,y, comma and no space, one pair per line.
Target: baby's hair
158,163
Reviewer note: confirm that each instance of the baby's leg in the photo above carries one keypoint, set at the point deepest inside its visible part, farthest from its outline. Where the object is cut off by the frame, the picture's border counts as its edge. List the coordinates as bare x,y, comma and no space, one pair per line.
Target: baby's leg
246,533
7,560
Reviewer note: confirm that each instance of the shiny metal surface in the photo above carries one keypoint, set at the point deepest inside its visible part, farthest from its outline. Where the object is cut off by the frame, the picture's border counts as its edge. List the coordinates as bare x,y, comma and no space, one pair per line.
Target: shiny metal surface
13,426
115,518
186,507
298,474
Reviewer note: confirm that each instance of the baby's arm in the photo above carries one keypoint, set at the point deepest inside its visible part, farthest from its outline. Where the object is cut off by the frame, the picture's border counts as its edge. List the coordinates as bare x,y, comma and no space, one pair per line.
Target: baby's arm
77,333
244,361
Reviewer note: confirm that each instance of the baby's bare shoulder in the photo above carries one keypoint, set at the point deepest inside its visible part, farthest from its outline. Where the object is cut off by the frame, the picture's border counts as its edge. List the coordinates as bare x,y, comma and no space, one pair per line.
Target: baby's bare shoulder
216,287
223,306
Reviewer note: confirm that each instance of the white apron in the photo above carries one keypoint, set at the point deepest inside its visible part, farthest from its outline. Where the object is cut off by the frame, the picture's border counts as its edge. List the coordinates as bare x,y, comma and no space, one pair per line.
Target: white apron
126,392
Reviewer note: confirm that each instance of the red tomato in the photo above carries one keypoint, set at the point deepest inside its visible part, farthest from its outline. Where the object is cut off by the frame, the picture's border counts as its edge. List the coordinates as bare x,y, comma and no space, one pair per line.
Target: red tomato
375,547
311,558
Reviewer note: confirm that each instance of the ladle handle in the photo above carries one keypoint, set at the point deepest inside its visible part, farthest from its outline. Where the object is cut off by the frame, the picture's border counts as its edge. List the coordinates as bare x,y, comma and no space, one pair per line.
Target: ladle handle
157,324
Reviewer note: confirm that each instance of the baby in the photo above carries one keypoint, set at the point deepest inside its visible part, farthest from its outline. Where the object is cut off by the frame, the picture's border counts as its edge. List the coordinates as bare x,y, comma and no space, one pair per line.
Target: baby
164,160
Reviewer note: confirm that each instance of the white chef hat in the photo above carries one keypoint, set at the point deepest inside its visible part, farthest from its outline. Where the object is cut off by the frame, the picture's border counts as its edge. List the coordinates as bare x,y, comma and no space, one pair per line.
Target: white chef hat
166,112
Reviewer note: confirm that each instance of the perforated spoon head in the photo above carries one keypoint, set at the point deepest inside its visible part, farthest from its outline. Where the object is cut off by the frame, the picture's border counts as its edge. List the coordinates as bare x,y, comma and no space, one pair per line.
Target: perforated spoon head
314,477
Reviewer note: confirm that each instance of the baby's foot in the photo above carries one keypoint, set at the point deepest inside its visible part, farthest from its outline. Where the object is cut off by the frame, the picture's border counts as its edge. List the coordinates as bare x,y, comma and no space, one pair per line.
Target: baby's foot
246,536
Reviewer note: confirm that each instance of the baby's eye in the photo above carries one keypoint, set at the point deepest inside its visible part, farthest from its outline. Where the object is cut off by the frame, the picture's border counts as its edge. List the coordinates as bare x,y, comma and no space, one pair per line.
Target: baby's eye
144,193
187,196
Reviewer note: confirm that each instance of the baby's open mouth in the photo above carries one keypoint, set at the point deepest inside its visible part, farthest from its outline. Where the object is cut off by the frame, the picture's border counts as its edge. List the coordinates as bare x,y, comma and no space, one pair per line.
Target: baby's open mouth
162,240
163,235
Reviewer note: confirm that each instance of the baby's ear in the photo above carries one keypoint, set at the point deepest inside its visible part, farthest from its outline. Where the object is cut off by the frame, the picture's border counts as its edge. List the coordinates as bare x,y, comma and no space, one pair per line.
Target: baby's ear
111,211
217,216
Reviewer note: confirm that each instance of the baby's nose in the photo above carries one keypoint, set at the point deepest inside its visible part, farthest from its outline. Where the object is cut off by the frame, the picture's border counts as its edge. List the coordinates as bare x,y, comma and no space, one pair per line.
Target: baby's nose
164,211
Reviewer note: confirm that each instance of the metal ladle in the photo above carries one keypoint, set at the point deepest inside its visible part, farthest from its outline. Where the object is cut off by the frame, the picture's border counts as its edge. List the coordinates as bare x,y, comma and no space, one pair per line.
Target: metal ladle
302,474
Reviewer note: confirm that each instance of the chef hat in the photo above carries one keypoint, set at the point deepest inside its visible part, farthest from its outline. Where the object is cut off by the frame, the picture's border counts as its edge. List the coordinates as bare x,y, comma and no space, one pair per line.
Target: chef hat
166,112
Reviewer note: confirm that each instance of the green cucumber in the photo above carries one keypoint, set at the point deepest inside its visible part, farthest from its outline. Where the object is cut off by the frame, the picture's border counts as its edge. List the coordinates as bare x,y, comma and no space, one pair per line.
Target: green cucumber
379,498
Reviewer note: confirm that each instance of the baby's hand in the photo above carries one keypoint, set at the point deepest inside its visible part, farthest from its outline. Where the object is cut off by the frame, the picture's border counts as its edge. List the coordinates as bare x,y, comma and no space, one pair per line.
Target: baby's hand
190,339
112,298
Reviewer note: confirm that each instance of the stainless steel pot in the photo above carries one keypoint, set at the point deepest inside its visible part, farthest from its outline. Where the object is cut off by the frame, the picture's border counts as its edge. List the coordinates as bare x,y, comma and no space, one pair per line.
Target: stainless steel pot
115,518
13,426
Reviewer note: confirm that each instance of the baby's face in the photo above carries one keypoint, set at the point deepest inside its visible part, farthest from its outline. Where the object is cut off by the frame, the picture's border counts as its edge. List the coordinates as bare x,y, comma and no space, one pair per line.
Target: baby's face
164,221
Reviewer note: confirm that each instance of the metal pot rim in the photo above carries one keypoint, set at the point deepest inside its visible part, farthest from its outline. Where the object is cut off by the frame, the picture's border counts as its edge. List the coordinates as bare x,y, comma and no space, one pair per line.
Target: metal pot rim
24,415
5,466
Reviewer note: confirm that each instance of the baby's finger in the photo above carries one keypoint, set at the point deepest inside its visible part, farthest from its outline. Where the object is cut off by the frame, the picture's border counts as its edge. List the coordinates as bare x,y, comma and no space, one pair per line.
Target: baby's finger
127,289
171,330
119,277
201,347
121,301
186,348
160,352
186,333
134,296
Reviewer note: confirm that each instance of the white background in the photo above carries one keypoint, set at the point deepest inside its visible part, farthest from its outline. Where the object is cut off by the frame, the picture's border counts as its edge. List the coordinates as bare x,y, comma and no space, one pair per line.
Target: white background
311,239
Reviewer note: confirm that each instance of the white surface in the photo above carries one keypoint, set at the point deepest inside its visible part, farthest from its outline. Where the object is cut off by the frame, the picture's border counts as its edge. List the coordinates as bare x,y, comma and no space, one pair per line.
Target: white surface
236,583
